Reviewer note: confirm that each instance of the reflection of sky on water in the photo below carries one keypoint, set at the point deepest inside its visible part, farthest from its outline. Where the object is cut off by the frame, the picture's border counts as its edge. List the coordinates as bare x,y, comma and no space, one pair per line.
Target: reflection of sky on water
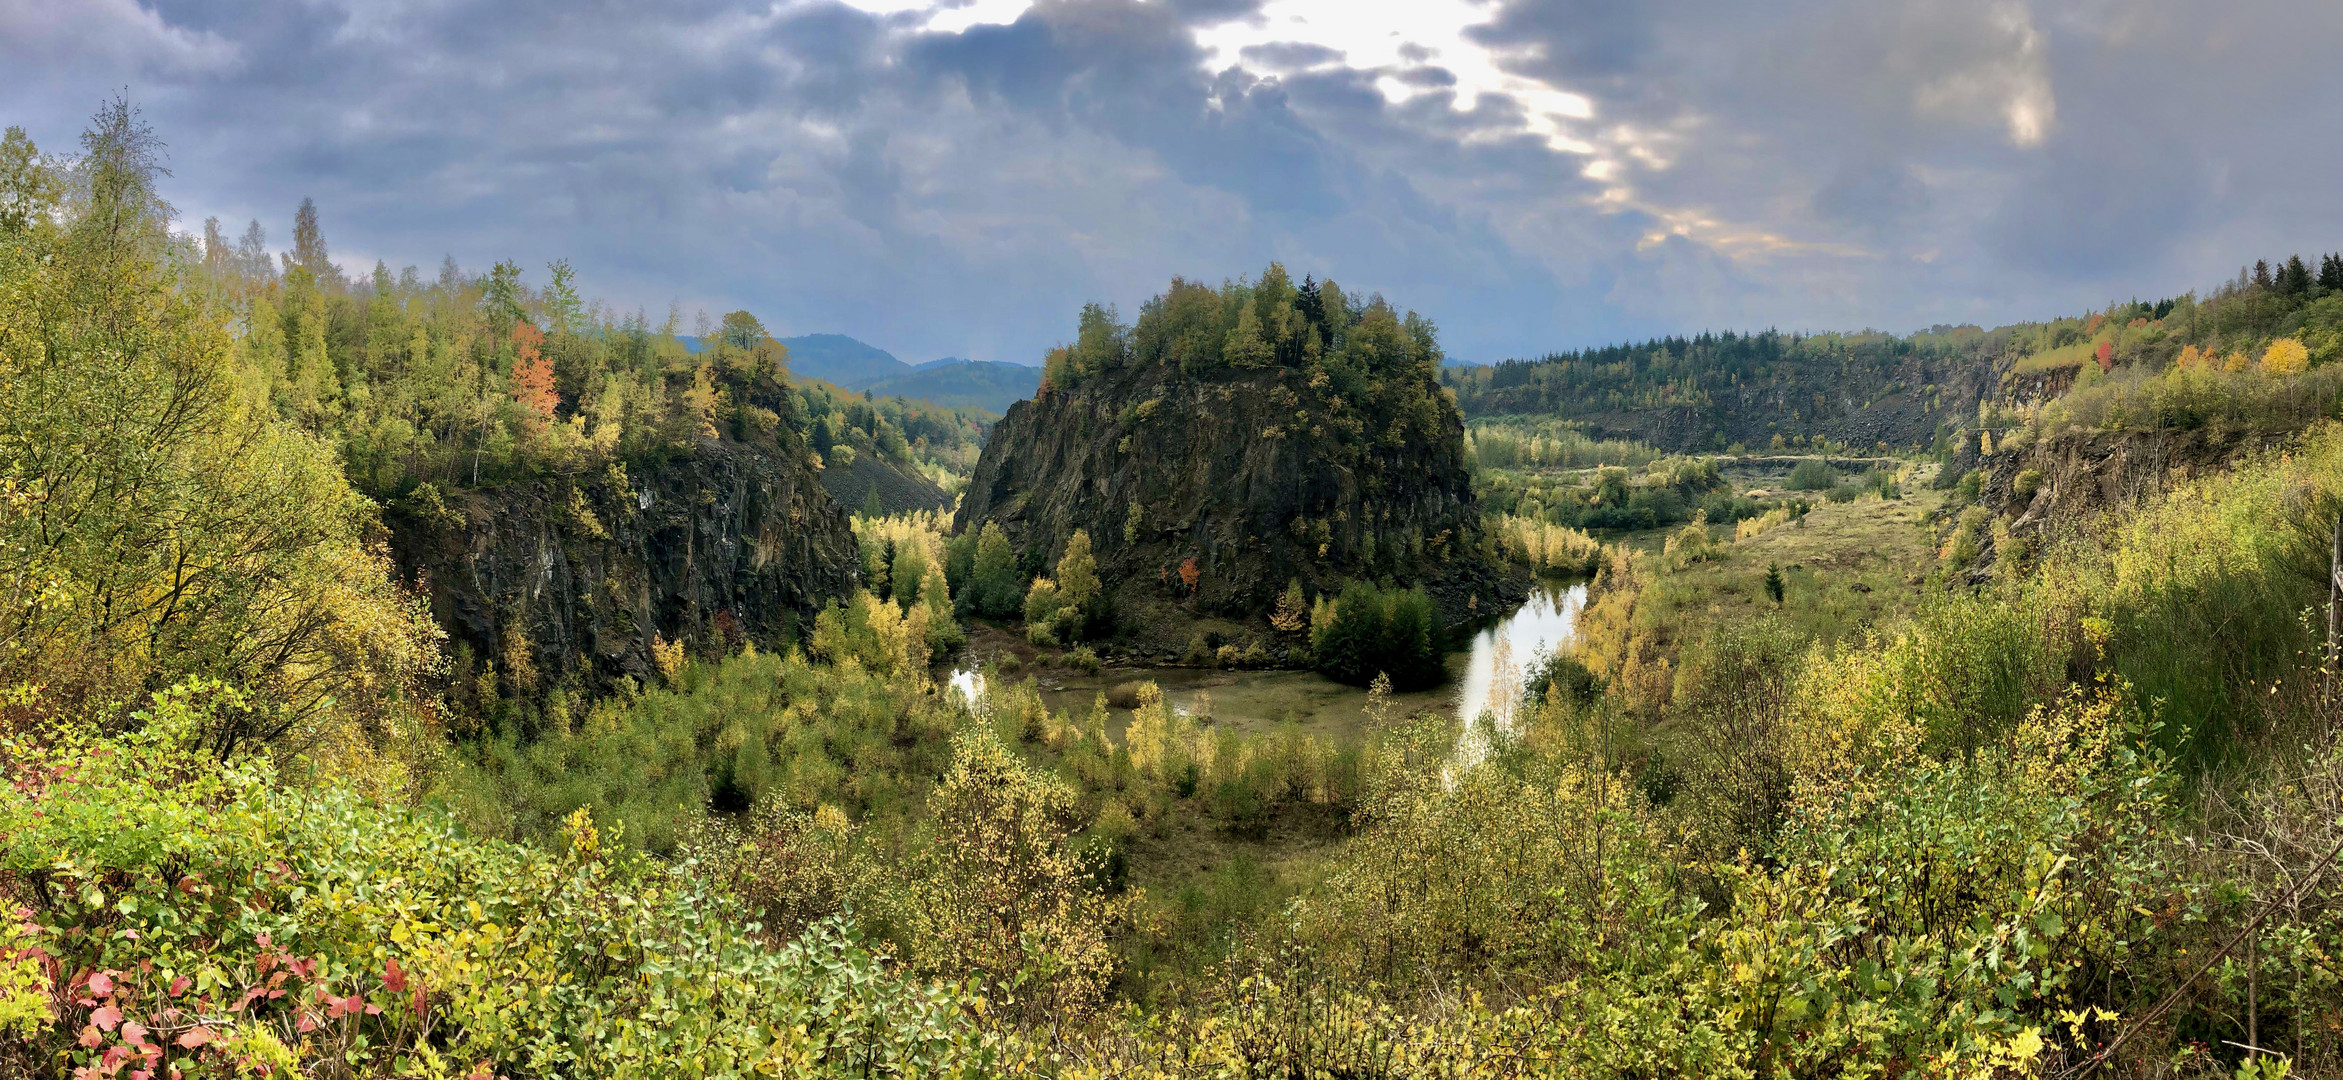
1547,622
969,684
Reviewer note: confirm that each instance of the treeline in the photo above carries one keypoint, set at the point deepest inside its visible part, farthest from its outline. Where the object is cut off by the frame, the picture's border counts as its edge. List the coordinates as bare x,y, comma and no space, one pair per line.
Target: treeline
2254,356
1716,389
470,379
1372,369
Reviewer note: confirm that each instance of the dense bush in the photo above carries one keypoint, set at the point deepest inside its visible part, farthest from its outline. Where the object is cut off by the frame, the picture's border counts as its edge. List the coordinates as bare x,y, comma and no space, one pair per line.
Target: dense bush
852,726
198,919
1812,474
1368,631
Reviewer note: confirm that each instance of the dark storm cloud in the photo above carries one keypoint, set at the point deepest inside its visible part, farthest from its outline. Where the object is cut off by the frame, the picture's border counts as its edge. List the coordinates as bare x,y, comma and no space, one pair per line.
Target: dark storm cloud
1815,163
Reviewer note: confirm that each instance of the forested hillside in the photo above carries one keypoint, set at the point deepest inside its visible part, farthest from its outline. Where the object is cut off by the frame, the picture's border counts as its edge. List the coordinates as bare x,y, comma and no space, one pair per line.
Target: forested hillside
1894,784
1769,389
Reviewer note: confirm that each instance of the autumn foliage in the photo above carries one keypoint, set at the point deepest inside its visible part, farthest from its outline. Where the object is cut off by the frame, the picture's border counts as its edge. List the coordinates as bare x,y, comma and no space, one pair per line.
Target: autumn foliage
533,371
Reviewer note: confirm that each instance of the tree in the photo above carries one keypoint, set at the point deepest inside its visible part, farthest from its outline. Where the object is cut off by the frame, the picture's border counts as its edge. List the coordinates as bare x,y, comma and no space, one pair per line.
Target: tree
500,295
2294,279
1004,895
29,187
2286,356
154,527
252,258
993,590
1245,346
741,330
533,384
1773,582
2261,274
565,313
1043,604
309,247
1078,574
1367,632
2331,275
1293,610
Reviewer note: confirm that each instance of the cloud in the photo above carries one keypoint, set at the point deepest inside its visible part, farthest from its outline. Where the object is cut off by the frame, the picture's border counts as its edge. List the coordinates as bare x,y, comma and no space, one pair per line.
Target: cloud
123,34
955,178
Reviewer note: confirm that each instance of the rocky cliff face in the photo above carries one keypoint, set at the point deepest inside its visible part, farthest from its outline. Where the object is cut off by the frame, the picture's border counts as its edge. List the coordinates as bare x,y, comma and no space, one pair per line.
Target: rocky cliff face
2074,476
896,488
735,541
1205,495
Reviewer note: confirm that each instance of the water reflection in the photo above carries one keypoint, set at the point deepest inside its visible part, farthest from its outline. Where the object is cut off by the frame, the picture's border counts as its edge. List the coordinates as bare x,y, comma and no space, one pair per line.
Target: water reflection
968,683
1503,656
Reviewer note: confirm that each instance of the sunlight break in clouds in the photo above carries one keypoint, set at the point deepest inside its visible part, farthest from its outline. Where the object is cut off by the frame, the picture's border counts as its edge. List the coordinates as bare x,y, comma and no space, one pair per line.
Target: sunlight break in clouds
1390,40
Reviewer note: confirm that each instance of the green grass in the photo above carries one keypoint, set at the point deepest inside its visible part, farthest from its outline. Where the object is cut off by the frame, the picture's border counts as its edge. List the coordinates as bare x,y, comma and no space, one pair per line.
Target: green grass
1850,566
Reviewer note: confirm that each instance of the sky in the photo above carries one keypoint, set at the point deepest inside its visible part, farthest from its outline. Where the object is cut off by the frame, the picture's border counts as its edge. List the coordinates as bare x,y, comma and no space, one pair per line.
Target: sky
956,177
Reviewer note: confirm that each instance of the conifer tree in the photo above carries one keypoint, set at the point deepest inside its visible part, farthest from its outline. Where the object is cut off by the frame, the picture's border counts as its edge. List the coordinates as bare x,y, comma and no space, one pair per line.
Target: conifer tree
2295,279
309,251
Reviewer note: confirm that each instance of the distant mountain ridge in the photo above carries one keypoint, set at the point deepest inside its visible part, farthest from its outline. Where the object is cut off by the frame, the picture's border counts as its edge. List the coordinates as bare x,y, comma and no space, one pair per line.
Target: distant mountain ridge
951,381
965,384
843,360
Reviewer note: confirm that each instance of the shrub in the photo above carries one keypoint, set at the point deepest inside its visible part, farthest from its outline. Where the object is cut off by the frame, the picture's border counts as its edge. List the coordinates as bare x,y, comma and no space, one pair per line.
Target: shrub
1042,603
1126,695
1811,474
2026,483
1690,544
207,917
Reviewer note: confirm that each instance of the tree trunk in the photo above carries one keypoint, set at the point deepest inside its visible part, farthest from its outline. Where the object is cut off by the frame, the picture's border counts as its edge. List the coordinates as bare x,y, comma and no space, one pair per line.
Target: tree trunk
2335,602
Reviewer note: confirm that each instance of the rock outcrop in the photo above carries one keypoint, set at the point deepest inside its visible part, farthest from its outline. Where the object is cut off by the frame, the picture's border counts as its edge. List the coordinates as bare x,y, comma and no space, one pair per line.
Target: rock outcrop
1204,495
736,540
895,487
2062,482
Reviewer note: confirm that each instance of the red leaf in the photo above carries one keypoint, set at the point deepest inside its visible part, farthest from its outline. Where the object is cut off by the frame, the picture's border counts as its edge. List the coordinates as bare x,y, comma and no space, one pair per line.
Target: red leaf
106,1018
179,985
134,1033
197,1036
100,984
90,1037
394,979
308,1022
